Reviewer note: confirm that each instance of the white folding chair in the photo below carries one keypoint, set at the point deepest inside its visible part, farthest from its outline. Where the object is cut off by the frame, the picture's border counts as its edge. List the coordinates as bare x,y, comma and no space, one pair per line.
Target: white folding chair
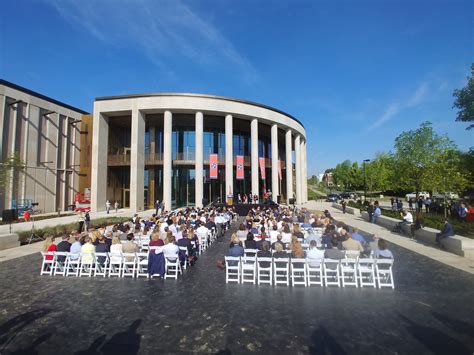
366,268
87,264
142,264
349,272
248,269
331,272
264,271
203,239
352,254
172,267
115,264
250,252
129,263
101,264
60,262
144,242
73,263
281,271
186,261
298,272
232,269
383,270
47,266
314,269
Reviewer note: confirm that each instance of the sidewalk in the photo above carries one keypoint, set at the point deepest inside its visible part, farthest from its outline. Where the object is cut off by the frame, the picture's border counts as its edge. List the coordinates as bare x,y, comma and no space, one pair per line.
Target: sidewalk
33,248
444,257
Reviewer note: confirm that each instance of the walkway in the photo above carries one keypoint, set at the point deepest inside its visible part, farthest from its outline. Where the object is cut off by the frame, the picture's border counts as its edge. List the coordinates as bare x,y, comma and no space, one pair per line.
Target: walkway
444,257
430,311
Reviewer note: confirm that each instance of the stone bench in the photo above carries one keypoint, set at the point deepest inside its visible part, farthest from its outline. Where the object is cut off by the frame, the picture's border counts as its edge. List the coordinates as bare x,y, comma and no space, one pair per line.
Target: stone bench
349,210
456,244
8,241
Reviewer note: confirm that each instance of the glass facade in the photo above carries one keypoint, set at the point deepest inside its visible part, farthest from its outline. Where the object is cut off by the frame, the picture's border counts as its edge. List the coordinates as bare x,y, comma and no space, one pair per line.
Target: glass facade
183,143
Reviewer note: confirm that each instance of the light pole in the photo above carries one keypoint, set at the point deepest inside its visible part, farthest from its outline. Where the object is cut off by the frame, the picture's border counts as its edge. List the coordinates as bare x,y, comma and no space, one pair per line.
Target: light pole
365,179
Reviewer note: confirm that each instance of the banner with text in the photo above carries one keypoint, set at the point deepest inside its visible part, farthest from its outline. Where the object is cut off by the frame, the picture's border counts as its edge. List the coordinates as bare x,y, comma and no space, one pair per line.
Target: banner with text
262,167
213,166
239,162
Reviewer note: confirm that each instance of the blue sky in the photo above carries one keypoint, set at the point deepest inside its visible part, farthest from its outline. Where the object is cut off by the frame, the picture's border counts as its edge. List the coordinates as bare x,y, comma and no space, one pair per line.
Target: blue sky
355,73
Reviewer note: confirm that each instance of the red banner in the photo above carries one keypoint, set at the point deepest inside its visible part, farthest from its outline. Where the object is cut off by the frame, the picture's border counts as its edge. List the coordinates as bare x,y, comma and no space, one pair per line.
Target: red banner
239,166
213,166
262,167
279,169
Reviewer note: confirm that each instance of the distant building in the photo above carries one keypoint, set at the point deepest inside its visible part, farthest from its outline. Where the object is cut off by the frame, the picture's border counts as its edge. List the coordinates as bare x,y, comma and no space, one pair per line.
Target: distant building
45,133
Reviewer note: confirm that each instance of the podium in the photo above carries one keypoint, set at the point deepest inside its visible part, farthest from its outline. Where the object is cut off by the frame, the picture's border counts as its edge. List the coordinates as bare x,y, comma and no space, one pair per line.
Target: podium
230,200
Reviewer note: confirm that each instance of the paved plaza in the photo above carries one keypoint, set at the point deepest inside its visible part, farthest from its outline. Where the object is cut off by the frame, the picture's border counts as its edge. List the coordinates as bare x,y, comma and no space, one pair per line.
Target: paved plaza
430,311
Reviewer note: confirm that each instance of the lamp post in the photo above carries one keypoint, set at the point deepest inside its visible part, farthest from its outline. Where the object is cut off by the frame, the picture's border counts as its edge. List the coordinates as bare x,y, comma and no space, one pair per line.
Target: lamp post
365,179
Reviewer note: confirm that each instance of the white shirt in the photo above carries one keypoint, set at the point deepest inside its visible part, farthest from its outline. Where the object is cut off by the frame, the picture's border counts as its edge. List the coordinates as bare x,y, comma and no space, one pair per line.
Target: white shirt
285,237
273,236
202,230
408,217
170,250
219,219
315,256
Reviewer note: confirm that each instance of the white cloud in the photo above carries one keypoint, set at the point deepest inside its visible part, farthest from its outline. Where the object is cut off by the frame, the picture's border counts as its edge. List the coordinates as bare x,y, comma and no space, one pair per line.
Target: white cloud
415,99
161,30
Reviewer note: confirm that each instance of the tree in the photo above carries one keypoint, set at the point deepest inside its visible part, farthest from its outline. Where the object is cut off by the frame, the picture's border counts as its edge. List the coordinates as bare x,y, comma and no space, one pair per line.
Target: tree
9,167
340,174
356,177
467,166
378,172
417,157
465,101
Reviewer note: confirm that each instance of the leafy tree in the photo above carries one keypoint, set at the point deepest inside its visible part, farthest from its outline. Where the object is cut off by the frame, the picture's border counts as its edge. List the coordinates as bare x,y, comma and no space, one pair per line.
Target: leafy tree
356,177
378,172
465,101
9,167
417,157
340,174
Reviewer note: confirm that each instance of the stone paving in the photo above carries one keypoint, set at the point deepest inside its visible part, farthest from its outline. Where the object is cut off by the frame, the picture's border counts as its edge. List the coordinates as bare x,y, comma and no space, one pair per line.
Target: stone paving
431,310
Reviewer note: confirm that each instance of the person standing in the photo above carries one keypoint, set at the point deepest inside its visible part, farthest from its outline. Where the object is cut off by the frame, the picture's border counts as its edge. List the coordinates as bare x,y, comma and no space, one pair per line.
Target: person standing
370,211
157,207
343,204
107,206
427,204
377,212
420,204
116,206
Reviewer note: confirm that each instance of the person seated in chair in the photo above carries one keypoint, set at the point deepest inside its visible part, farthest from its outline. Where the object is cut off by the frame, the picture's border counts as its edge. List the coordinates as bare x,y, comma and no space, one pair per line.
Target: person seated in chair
63,246
279,251
278,242
250,243
407,221
130,246
334,252
382,252
170,250
314,255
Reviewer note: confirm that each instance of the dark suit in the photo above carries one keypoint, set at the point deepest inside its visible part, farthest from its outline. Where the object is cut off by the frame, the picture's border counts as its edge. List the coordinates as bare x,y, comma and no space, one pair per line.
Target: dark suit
63,246
448,231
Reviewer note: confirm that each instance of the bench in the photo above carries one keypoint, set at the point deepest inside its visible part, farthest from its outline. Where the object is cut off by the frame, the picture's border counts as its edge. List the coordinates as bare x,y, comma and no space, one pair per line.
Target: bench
456,244
8,241
349,210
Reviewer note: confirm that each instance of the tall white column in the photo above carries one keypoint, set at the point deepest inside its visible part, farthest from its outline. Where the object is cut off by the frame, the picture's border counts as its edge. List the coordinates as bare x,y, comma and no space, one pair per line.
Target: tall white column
167,163
137,161
274,142
298,169
254,155
289,167
100,138
199,189
229,156
305,170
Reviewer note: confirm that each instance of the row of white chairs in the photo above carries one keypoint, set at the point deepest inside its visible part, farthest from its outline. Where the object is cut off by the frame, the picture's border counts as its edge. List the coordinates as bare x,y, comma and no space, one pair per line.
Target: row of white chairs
359,272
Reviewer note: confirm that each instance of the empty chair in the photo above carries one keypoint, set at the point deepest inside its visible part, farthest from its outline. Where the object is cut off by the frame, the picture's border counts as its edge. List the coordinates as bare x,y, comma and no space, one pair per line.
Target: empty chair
47,266
331,272
172,267
366,271
264,270
281,271
115,264
383,270
232,269
60,263
314,270
101,264
87,261
73,263
248,265
142,264
298,272
349,272
129,263
203,240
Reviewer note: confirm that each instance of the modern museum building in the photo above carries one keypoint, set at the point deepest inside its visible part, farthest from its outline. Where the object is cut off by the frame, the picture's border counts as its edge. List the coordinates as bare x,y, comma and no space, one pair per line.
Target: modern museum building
193,149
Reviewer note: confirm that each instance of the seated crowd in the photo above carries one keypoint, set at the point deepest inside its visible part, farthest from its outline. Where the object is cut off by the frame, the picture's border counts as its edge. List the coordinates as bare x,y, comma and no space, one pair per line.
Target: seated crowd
166,232
278,233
